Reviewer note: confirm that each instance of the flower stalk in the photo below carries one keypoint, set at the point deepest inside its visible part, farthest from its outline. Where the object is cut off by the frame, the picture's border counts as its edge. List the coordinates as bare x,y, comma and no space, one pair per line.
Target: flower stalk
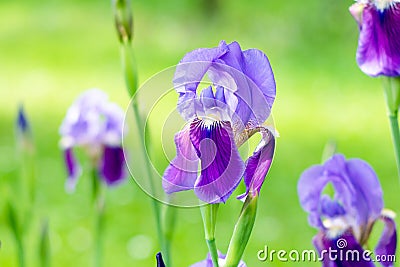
391,87
209,215
124,26
242,231
44,245
17,233
99,206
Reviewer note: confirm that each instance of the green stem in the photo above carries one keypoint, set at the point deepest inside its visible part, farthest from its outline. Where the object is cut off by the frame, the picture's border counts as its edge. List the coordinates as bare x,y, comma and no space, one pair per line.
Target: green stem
155,203
13,222
391,87
212,248
44,245
209,215
99,206
394,126
21,253
242,232
129,66
170,217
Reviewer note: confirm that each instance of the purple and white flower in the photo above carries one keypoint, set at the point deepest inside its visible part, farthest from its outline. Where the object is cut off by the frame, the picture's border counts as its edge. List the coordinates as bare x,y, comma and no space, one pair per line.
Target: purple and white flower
95,125
220,118
221,261
350,214
379,42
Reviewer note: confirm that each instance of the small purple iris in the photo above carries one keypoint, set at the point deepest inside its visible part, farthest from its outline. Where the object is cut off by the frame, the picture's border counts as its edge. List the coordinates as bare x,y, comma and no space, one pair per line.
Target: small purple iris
221,259
350,214
95,125
379,42
230,109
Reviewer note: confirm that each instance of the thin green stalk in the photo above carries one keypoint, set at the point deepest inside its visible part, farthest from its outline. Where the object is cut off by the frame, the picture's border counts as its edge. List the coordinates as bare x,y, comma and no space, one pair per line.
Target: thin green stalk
170,217
212,248
44,245
391,87
13,222
131,83
209,215
99,205
394,127
155,203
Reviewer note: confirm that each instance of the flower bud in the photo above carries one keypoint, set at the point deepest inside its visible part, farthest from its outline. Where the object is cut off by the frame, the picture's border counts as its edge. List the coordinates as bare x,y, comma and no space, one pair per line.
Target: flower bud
123,19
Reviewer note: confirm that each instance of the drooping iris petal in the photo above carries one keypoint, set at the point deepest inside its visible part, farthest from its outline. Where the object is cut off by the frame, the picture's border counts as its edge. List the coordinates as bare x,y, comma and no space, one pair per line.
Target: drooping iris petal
378,50
73,169
320,243
113,165
181,174
388,242
221,259
347,251
221,165
257,166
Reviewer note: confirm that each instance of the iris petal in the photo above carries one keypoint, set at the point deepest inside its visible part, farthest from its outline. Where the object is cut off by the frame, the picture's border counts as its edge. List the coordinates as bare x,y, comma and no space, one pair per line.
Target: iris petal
221,165
347,251
356,187
113,165
379,42
388,242
257,166
181,174
73,169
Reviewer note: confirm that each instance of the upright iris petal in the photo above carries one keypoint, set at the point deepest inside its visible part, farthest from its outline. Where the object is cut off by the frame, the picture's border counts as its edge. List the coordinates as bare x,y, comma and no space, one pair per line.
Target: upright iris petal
352,211
379,42
95,125
220,118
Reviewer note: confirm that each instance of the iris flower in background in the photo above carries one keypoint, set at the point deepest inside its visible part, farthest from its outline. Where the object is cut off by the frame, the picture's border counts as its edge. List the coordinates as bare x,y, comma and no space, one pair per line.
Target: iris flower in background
23,126
208,262
220,118
345,221
95,125
379,43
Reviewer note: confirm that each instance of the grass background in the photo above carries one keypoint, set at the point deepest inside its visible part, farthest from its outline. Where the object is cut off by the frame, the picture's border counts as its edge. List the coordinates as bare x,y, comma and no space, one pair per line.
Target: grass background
50,51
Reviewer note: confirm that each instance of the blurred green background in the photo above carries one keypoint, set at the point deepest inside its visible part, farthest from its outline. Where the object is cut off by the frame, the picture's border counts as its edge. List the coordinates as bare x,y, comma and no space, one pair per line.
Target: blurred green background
50,51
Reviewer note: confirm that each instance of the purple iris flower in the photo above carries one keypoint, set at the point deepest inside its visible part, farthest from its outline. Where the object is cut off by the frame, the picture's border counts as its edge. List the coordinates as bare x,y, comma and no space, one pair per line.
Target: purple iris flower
221,260
95,125
379,42
220,117
345,220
